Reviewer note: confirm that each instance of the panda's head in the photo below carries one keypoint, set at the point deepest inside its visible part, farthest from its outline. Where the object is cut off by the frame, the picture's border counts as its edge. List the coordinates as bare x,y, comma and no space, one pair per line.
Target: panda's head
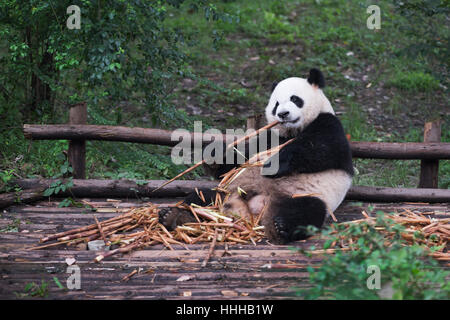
296,102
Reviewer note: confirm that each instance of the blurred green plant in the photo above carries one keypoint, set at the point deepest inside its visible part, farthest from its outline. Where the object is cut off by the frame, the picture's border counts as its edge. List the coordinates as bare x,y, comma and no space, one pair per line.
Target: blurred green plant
34,290
406,270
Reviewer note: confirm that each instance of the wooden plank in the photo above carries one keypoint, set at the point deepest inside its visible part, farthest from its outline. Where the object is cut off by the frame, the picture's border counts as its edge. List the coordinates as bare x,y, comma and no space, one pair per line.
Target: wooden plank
264,271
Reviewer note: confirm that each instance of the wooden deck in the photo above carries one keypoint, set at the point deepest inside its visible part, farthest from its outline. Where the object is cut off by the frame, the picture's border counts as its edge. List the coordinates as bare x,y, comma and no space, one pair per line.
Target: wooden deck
264,271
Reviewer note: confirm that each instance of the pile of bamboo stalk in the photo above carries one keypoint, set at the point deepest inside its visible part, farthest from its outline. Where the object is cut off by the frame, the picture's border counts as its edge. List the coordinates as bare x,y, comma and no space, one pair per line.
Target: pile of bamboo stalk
140,228
419,229
210,225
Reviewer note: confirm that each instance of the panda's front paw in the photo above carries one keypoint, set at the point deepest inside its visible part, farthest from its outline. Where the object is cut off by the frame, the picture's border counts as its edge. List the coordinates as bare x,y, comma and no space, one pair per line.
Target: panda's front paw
173,217
281,230
165,217
269,168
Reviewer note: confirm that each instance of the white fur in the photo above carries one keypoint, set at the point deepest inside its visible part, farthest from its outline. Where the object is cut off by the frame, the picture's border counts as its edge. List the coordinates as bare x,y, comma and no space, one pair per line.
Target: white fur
329,185
314,100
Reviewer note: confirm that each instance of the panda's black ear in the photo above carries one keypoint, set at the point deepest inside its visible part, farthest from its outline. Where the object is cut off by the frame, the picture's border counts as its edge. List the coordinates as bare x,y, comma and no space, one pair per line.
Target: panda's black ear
316,78
274,85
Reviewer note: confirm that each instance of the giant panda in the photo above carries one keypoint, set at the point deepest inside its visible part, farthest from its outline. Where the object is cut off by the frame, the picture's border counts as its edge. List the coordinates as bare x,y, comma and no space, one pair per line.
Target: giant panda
318,164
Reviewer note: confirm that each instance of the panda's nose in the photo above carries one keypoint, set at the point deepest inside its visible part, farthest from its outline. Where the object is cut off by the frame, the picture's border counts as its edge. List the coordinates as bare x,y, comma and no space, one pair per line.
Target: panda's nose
283,115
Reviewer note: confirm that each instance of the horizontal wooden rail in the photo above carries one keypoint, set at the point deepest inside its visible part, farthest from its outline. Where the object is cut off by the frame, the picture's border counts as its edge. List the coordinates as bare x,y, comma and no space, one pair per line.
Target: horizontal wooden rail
400,150
109,133
127,188
25,196
372,150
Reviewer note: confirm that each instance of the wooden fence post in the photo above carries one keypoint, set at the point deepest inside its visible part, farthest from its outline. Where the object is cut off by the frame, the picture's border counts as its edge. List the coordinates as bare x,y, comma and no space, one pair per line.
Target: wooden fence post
429,169
255,122
77,148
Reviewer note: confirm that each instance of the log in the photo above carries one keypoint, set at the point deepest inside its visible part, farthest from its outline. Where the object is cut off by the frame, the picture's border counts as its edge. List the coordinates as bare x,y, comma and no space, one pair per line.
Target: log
96,188
397,150
26,196
429,169
180,188
385,194
371,150
111,133
77,148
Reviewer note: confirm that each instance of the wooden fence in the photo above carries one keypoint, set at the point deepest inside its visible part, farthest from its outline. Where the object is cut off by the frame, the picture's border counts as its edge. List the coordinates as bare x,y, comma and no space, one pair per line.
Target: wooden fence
77,132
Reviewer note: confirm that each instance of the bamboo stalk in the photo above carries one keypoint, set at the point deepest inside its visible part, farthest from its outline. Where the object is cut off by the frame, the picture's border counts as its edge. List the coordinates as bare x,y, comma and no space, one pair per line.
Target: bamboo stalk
211,249
235,143
82,229
128,276
100,230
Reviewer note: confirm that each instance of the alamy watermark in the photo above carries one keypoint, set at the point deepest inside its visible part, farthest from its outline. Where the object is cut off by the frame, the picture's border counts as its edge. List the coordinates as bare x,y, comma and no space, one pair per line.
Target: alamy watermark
74,20
374,20
191,149
74,280
374,280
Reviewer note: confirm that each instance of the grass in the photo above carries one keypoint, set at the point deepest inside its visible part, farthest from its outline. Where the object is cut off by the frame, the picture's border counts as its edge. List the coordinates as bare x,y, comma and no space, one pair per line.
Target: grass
379,90
413,81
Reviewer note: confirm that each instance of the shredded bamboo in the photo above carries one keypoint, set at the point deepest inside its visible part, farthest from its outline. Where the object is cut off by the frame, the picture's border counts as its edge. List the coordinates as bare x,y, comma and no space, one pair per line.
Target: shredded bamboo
419,229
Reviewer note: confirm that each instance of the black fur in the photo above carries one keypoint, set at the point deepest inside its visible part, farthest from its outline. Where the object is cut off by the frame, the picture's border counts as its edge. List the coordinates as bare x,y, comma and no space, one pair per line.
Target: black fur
322,145
274,85
173,217
291,216
297,100
208,194
316,77
220,169
274,110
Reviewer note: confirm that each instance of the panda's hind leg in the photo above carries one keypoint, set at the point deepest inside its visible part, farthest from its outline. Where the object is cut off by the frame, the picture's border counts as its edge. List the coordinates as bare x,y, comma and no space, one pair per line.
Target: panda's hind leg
287,218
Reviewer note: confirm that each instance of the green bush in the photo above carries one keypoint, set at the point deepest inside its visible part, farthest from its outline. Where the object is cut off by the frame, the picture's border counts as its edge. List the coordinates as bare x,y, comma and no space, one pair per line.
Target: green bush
406,270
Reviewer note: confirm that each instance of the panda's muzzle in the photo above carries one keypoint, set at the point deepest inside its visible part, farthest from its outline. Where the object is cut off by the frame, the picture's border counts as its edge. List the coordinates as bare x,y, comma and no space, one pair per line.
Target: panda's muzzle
291,121
283,115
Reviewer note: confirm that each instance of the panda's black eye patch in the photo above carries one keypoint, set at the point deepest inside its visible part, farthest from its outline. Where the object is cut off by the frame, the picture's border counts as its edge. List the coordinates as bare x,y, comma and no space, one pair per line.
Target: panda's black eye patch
297,100
274,111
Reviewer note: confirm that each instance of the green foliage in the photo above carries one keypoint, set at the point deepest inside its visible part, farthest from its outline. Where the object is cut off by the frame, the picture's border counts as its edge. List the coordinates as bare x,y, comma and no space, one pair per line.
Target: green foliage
413,81
12,227
58,283
405,269
5,177
59,185
129,64
122,51
426,35
124,57
34,290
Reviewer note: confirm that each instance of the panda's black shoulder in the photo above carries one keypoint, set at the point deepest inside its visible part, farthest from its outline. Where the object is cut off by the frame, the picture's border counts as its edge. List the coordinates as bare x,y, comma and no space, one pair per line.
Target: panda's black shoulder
325,124
327,131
